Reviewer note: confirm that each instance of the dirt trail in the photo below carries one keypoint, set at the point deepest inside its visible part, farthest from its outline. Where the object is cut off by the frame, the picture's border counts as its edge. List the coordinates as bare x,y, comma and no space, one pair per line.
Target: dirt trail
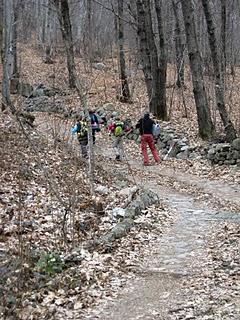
178,254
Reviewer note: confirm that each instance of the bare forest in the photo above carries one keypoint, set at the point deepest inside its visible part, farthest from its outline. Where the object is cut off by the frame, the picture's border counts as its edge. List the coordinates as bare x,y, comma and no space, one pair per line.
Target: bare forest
120,159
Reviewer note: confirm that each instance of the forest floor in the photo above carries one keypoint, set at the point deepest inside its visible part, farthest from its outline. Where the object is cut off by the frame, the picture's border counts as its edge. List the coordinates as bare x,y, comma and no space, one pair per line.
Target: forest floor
181,259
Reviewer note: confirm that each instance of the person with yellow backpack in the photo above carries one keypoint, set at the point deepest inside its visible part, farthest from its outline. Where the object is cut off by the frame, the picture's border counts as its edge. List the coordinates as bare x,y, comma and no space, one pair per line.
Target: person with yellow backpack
117,129
81,129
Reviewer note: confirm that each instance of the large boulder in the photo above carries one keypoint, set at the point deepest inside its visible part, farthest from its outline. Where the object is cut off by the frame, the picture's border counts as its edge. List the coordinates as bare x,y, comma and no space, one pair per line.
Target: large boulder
236,144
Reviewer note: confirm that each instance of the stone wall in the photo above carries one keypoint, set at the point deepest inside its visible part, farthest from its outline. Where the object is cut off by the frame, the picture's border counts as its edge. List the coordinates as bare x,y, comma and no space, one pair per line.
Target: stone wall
225,153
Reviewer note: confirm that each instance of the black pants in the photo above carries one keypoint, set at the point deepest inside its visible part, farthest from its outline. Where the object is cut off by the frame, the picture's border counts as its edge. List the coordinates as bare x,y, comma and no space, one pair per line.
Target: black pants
94,135
83,144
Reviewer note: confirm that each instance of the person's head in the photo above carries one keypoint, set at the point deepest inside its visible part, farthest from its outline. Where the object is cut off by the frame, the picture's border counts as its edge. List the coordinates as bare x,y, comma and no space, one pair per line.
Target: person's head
91,111
117,119
146,115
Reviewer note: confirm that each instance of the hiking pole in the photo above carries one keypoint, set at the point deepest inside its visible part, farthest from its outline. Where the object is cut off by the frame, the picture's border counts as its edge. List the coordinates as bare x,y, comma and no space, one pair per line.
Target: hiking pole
166,156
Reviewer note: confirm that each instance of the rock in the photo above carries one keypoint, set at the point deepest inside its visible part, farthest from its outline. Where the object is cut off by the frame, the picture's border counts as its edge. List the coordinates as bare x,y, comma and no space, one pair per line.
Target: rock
183,155
223,147
25,89
211,152
160,144
115,114
102,190
184,148
174,150
128,191
236,155
236,144
108,106
99,66
118,212
194,155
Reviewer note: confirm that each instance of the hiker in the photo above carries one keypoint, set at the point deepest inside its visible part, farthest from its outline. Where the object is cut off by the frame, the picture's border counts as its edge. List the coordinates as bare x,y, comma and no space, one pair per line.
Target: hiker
94,124
81,129
145,126
116,128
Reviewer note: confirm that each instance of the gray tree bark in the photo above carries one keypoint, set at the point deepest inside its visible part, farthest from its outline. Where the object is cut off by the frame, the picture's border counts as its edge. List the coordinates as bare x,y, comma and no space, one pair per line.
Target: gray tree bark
125,92
205,125
157,106
66,29
144,48
162,63
219,83
223,37
1,30
179,44
48,32
7,52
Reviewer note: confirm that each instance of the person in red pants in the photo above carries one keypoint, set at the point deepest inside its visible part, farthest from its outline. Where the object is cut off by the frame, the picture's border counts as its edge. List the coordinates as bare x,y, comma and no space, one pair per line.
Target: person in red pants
145,126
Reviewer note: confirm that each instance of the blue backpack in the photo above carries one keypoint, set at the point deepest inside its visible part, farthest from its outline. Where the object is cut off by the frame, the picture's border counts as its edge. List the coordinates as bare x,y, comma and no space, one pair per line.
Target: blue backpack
156,130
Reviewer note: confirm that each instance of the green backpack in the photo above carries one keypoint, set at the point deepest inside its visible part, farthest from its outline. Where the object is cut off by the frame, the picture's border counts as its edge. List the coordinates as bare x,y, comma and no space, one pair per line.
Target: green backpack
118,131
82,129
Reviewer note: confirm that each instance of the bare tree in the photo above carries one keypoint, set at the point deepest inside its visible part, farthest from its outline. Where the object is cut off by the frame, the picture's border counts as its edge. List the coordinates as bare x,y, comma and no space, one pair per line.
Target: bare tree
66,29
7,52
1,30
205,125
157,78
162,63
219,83
223,36
179,44
144,48
125,92
48,32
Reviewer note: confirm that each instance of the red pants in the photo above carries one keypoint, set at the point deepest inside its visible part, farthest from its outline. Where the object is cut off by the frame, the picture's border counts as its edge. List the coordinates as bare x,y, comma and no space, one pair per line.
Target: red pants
147,139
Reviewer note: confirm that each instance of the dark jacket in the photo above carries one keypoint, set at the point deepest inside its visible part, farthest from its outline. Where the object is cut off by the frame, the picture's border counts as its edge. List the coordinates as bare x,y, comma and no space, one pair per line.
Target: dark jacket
94,118
145,125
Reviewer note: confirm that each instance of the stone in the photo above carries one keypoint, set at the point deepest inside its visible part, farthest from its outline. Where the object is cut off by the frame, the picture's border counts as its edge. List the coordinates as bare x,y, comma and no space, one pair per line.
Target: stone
194,155
102,190
236,155
115,114
223,147
160,144
118,212
236,144
99,66
128,191
174,150
211,152
183,155
185,148
25,89
108,106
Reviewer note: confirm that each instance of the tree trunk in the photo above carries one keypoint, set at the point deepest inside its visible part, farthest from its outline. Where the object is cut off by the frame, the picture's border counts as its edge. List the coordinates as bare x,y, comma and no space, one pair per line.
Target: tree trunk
66,29
1,30
157,107
144,49
7,52
205,125
125,92
89,31
48,32
162,71
219,84
223,37
179,45
15,73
